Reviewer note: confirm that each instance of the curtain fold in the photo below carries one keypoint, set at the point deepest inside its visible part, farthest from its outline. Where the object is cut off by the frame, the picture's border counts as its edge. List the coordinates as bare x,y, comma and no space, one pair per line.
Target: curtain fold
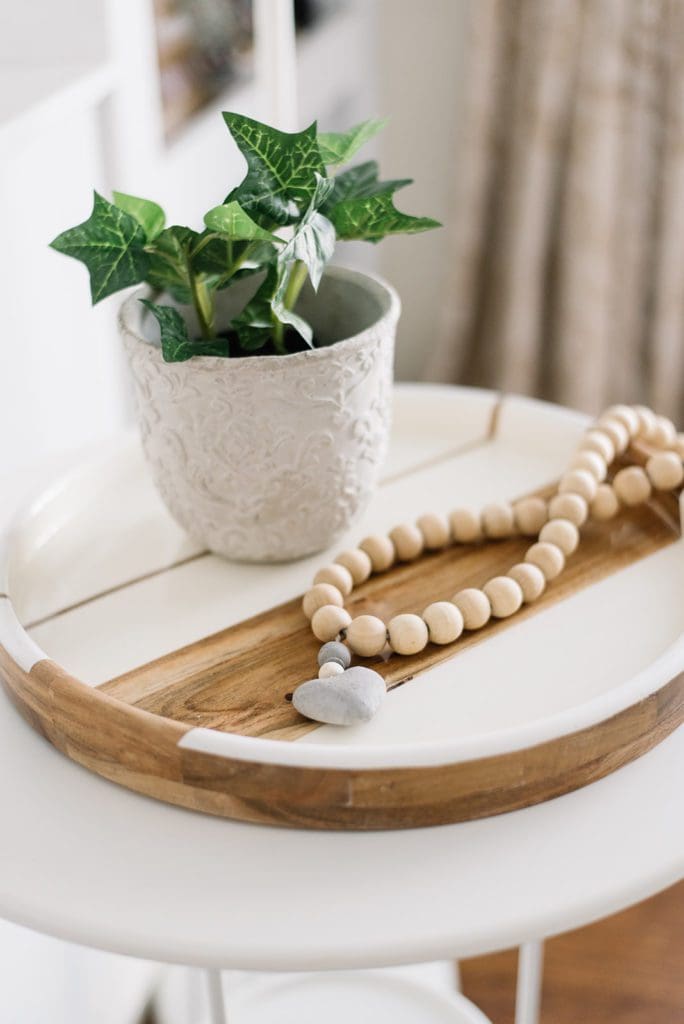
566,276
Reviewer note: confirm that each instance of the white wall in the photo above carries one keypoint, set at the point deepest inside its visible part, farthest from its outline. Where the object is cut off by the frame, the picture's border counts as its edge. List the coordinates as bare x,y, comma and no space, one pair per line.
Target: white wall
420,63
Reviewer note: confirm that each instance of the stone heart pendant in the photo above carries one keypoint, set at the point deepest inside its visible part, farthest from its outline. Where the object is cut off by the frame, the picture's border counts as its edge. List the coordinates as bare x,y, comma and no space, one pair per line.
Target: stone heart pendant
349,698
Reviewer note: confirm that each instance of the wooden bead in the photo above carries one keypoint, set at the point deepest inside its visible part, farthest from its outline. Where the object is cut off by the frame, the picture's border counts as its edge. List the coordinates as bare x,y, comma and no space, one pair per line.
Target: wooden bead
444,622
569,506
598,441
366,635
678,445
474,606
498,520
408,541
329,669
605,505
592,462
616,431
320,595
578,481
627,416
380,550
530,579
328,621
504,595
647,422
338,576
632,486
530,515
435,530
357,562
547,557
465,526
665,471
408,634
664,434
562,533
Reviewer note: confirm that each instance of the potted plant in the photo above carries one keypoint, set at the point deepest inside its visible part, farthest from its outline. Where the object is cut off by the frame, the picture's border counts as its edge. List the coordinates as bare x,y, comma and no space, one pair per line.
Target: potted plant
262,374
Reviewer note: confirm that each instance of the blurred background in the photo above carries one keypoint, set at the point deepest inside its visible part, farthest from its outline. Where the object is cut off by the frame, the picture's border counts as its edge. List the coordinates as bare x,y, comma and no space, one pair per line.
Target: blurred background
546,135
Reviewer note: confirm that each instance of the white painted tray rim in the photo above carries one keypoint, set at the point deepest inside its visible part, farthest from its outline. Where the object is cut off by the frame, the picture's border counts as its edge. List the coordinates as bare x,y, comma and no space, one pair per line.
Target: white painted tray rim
26,653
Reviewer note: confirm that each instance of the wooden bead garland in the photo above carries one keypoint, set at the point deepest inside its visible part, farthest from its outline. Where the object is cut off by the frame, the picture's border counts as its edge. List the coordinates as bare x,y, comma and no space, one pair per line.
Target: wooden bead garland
407,634
530,579
474,607
444,622
632,486
530,515
435,531
320,595
329,621
504,595
562,533
582,493
380,550
358,563
498,521
465,526
366,635
408,541
605,505
664,470
569,506
337,576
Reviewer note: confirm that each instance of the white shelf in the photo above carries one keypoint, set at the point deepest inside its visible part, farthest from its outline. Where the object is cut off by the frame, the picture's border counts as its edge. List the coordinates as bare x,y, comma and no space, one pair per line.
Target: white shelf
29,96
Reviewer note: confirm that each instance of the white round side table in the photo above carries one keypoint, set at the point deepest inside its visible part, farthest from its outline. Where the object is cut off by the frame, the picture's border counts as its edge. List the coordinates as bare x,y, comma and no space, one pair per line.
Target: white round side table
88,861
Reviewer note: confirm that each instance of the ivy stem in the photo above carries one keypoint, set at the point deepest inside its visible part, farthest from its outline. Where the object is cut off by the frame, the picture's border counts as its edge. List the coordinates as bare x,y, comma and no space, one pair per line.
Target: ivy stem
295,284
297,277
278,335
203,302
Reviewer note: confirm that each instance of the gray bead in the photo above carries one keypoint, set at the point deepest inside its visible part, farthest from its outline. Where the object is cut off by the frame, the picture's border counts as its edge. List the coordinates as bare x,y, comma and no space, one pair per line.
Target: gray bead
334,651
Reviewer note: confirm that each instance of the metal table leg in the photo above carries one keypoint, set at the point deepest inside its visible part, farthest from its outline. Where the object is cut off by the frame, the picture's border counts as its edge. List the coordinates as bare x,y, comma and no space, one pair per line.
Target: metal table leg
529,983
217,1006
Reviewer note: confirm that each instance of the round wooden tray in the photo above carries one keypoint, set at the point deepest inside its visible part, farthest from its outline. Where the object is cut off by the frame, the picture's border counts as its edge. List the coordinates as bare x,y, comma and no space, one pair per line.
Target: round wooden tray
189,659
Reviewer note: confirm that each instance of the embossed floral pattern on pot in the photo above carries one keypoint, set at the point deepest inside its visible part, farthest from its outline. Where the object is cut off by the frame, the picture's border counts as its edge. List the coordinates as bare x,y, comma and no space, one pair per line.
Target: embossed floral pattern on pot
269,458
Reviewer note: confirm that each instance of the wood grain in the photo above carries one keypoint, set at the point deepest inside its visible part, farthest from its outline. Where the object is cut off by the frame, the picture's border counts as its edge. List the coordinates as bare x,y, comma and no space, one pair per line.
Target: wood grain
626,969
140,750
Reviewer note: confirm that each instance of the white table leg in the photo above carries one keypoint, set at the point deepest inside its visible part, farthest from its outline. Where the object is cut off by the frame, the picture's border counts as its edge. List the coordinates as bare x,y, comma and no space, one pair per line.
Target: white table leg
529,983
217,1006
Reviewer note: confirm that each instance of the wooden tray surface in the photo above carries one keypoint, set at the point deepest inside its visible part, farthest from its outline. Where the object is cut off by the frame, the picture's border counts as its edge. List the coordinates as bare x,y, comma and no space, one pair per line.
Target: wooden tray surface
239,680
139,727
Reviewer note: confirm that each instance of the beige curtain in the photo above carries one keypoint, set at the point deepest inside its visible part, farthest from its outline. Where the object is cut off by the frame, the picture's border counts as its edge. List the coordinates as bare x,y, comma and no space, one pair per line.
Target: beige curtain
567,270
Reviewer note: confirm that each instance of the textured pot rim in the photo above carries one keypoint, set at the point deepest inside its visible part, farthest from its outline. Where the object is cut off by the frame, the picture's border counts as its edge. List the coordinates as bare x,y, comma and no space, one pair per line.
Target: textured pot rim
131,313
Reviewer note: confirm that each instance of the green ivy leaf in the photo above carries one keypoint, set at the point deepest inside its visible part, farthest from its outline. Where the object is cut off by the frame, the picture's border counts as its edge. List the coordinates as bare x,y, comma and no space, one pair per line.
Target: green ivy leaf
359,181
176,344
313,241
338,147
111,244
168,262
149,215
371,218
281,170
232,221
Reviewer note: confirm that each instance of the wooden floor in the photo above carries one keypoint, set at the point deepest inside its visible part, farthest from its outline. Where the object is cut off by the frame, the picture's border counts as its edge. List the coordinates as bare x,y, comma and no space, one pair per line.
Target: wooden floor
628,969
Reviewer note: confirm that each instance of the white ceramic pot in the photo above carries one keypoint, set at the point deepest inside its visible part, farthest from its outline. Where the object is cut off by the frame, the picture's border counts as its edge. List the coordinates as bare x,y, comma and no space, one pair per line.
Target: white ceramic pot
269,458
